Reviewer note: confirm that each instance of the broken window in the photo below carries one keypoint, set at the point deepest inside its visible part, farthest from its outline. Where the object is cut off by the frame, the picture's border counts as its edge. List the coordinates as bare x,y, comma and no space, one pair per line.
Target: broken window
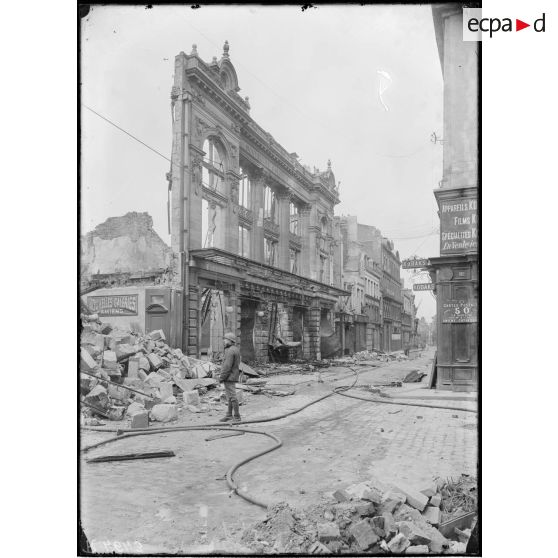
213,173
269,251
245,188
293,255
270,204
243,242
294,216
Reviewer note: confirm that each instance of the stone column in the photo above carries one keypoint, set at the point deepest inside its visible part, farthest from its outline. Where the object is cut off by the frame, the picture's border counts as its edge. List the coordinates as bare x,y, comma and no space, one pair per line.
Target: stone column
304,263
261,332
314,317
231,214
284,200
257,236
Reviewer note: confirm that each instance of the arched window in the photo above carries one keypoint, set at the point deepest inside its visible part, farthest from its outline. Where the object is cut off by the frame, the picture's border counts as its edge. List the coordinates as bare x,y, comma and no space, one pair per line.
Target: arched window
244,189
213,172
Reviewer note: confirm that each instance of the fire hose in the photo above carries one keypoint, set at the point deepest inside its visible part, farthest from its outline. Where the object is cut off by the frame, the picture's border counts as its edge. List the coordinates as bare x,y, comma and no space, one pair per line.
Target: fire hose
128,433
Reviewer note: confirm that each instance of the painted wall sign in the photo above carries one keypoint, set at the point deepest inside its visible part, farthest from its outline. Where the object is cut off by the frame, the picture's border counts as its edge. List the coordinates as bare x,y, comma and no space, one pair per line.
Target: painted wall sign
459,311
458,226
415,263
423,287
114,305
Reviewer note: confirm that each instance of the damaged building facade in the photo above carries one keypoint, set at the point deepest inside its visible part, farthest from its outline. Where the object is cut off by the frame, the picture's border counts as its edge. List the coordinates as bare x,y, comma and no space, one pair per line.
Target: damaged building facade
252,228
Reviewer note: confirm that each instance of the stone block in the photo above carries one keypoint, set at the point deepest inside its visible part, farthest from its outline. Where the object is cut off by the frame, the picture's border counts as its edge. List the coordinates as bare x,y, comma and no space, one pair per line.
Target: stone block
378,524
365,508
98,397
170,400
134,408
155,361
191,397
418,549
165,390
116,412
133,367
413,497
140,420
413,532
398,544
124,350
86,361
116,392
390,528
436,500
142,375
328,531
364,534
144,363
432,514
157,335
429,490
163,412
392,500
341,496
109,360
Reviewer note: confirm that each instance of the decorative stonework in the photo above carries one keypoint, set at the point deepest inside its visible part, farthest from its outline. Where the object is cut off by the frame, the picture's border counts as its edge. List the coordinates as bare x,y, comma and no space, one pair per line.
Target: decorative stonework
196,171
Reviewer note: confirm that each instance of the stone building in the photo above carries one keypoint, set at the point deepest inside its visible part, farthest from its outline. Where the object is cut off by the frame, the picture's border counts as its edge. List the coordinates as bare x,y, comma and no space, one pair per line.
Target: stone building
455,272
124,245
252,227
359,324
381,250
128,276
408,325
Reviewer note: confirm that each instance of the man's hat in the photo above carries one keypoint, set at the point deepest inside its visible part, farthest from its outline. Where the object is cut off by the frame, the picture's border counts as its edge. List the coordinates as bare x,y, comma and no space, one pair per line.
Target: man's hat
230,337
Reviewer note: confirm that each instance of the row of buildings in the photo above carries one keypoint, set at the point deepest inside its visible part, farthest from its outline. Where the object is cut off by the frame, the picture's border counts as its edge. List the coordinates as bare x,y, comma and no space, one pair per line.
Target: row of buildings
256,247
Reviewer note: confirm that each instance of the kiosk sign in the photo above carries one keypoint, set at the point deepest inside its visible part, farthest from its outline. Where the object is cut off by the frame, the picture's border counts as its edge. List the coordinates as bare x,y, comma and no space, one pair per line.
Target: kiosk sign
458,226
459,312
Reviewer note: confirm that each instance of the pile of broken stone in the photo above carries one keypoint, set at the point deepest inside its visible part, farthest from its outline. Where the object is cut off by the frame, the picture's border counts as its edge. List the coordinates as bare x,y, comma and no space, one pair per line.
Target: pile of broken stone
367,517
159,374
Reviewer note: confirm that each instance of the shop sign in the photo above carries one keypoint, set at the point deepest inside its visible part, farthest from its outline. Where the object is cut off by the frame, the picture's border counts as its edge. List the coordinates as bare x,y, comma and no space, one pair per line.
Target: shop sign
415,263
114,305
459,312
458,226
423,287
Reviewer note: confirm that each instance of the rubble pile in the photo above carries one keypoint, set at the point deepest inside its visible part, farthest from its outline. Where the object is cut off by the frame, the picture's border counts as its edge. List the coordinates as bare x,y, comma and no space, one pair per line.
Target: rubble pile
156,375
367,517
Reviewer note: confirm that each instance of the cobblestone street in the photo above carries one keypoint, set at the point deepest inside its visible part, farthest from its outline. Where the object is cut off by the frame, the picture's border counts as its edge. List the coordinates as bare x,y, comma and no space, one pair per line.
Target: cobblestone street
183,504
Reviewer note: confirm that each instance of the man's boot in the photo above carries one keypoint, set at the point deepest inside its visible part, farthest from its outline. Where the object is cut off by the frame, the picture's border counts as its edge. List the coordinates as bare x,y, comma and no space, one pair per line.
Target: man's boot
228,416
236,410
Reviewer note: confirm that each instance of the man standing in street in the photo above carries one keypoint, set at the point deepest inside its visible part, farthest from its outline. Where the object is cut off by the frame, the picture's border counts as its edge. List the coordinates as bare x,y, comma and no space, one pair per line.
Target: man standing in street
229,376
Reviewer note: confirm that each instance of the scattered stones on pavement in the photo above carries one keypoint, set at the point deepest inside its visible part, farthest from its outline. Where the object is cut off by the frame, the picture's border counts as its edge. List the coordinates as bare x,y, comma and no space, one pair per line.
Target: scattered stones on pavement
351,524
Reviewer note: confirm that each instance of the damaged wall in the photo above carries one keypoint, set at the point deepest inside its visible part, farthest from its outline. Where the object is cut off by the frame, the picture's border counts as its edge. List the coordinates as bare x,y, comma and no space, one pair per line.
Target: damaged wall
126,244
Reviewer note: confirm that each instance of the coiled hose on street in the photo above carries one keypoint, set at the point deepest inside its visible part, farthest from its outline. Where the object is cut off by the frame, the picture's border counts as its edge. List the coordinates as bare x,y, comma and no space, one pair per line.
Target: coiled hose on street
128,433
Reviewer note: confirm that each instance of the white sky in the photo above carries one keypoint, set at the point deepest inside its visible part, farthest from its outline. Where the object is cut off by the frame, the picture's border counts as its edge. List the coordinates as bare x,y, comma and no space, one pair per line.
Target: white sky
313,84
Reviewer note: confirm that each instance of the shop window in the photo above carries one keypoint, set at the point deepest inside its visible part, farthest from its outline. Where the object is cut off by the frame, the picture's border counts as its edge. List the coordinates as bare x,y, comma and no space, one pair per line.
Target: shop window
243,242
213,174
244,190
